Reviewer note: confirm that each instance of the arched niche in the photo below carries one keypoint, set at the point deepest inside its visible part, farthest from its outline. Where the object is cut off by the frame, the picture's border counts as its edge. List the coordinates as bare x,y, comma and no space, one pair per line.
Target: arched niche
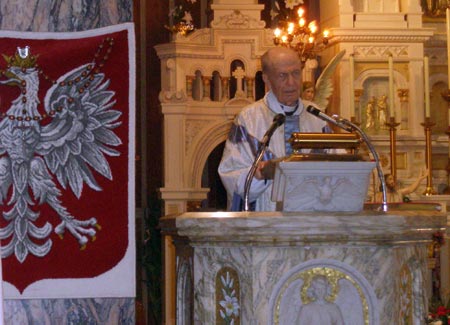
375,84
206,141
438,104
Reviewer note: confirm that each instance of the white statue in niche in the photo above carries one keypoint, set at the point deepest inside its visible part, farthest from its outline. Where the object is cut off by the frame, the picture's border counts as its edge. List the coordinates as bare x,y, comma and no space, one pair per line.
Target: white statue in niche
320,310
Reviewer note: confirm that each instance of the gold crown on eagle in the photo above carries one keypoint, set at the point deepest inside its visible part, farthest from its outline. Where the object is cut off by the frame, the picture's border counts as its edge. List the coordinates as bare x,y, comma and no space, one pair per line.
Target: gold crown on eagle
22,58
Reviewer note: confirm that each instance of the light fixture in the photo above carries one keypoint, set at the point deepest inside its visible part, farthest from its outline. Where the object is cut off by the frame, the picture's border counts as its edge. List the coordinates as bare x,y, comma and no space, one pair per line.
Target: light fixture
182,28
301,36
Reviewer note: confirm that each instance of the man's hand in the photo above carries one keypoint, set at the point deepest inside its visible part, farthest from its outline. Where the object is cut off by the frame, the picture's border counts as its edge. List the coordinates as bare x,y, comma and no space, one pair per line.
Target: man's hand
265,170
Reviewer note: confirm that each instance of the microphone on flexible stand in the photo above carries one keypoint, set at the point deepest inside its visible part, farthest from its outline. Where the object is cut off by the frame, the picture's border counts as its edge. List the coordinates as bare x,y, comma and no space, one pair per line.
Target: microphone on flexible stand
317,112
278,120
350,127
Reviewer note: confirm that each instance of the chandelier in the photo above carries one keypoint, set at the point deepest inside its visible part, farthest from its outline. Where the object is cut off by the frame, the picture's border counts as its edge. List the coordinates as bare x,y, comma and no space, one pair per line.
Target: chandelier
301,36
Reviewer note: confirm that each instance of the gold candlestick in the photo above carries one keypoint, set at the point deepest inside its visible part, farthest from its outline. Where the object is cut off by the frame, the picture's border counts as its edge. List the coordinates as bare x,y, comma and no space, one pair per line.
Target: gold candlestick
392,134
428,151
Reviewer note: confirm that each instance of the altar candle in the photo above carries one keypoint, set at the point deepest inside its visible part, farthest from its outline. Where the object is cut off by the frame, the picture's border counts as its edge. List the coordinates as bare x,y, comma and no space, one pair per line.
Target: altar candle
352,90
426,75
447,15
391,87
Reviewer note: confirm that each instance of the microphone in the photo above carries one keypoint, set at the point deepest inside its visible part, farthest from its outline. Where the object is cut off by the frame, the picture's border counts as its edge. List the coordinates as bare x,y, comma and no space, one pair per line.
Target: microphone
316,112
350,127
278,120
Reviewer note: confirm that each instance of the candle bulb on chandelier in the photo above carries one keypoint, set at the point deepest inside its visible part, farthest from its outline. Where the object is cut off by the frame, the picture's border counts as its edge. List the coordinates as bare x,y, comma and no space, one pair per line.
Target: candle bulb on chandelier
426,75
290,29
300,35
391,87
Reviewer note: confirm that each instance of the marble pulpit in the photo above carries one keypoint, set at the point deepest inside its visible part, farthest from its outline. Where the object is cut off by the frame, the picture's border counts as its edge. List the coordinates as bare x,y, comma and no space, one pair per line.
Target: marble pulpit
365,267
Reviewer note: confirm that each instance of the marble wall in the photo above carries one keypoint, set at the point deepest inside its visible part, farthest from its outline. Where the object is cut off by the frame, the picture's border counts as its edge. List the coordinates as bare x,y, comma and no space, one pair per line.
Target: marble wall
61,16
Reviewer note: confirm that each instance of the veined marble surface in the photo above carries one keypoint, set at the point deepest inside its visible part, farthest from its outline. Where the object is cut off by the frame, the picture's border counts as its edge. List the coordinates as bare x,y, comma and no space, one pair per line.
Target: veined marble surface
280,228
62,16
375,262
70,311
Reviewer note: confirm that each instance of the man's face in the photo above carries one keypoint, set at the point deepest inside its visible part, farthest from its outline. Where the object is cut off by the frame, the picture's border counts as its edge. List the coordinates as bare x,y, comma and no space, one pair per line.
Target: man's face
390,183
284,78
308,94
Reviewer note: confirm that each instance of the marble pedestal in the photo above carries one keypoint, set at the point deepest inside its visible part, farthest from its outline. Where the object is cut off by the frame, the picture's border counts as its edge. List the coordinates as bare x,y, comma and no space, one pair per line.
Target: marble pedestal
261,267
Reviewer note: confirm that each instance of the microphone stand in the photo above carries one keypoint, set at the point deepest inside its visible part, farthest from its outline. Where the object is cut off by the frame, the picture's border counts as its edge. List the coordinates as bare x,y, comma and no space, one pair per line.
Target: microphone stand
277,121
363,135
251,173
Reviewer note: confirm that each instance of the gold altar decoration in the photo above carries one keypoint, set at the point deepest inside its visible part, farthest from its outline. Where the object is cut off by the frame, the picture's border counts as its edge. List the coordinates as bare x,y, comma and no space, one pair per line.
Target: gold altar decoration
295,32
334,276
428,124
319,141
301,140
393,144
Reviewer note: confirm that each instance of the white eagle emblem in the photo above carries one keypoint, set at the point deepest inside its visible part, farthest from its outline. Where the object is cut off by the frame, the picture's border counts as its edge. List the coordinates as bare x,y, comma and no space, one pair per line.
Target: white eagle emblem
68,142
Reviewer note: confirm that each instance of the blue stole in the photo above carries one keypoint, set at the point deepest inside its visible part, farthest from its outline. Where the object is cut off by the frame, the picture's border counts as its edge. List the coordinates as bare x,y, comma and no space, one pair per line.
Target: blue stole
291,125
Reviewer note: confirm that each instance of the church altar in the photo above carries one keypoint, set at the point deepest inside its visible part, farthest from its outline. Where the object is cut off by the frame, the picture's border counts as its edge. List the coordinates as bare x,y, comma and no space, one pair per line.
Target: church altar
263,267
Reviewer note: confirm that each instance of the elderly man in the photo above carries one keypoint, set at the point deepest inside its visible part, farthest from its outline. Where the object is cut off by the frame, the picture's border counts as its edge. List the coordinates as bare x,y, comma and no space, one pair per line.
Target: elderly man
281,68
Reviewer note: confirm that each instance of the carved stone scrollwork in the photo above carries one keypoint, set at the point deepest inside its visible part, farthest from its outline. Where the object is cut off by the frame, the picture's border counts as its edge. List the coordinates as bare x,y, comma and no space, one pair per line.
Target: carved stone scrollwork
193,127
167,96
238,21
381,51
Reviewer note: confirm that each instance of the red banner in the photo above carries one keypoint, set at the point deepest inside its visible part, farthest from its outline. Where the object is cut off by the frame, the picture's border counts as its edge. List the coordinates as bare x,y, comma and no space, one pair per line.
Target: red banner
67,157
